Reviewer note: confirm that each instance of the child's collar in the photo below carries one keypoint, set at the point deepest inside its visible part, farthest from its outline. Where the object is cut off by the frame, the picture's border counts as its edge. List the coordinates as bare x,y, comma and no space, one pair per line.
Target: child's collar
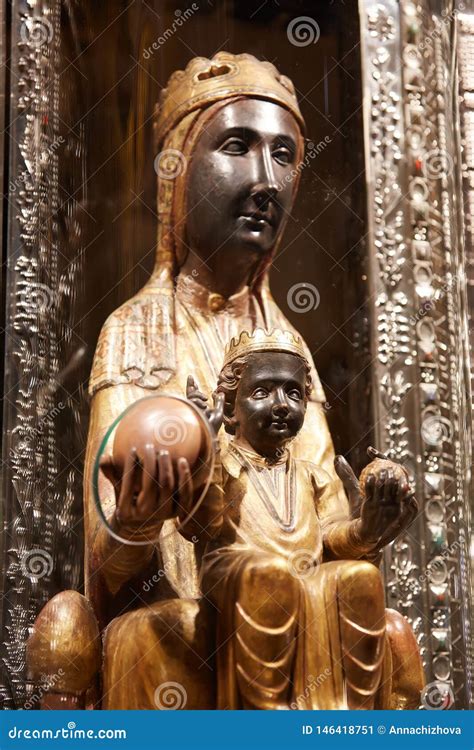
237,450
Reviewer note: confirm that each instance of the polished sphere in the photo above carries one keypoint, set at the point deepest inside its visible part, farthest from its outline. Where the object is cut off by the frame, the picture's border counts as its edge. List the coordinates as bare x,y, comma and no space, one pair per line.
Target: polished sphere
165,422
378,465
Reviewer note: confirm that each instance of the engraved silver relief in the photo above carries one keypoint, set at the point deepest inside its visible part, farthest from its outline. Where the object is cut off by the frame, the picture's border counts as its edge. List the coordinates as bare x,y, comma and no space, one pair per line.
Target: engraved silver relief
419,337
40,486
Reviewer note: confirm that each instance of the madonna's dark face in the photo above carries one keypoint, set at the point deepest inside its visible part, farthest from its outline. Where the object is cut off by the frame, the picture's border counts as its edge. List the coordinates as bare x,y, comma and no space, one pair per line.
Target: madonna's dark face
240,180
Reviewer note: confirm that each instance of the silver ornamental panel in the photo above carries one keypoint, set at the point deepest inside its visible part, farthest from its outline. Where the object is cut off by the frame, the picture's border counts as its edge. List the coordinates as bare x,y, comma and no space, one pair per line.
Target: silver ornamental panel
420,342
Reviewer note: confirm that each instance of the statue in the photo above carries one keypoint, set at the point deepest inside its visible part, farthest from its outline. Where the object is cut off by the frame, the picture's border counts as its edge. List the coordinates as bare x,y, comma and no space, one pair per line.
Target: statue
282,612
229,132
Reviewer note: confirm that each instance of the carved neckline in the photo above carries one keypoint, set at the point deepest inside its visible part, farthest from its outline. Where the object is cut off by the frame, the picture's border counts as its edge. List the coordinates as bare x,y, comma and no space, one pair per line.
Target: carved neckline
191,293
266,487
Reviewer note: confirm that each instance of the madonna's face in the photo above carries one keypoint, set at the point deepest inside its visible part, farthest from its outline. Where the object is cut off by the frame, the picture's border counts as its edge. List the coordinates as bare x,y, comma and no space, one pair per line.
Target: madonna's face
240,180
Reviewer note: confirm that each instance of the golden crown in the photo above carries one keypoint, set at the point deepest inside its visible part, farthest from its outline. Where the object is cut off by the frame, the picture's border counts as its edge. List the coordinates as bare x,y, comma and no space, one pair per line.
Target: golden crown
205,81
264,341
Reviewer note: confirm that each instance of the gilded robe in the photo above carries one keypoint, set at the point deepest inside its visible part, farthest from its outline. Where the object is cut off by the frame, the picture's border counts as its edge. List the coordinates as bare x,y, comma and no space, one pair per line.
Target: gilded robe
200,335
254,529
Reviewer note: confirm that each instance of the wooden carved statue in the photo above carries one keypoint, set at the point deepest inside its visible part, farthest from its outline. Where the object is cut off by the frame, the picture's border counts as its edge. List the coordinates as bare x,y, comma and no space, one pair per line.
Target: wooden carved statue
201,594
283,566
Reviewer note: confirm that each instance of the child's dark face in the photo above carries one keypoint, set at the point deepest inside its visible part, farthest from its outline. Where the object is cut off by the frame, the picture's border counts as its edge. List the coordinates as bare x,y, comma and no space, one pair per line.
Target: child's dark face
270,403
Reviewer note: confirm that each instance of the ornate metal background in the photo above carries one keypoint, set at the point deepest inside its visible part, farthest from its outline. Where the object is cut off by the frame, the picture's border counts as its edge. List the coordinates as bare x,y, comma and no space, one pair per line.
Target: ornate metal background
419,152
420,338
465,30
41,478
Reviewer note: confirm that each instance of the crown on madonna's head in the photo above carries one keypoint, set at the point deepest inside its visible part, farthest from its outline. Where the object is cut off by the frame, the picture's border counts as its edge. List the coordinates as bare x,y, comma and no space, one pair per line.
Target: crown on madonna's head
260,340
205,81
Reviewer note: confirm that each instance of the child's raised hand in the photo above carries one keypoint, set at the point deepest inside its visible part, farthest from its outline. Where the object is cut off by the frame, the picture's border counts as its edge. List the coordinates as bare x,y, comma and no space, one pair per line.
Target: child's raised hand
350,483
389,503
194,395
382,500
214,416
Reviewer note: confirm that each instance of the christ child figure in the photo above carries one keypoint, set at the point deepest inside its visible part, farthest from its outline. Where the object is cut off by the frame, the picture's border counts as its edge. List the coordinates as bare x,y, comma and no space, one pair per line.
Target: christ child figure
286,567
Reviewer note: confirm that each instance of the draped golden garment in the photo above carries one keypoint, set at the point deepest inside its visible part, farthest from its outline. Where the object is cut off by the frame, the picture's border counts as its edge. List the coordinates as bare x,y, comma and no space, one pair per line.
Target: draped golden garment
200,337
289,512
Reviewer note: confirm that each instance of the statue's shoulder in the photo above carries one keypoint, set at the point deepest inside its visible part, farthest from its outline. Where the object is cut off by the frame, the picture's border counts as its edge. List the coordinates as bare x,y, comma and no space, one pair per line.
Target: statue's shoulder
312,470
136,343
230,464
315,479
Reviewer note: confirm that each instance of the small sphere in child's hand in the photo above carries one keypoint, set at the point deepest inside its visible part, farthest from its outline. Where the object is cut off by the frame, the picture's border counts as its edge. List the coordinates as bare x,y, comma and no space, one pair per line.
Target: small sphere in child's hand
378,465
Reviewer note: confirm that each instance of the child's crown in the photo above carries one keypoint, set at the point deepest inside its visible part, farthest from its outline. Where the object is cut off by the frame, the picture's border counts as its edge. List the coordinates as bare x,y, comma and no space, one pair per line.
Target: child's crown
264,341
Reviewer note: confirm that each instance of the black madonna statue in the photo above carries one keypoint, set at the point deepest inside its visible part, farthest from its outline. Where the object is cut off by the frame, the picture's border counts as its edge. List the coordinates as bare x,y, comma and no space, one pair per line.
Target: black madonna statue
229,138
